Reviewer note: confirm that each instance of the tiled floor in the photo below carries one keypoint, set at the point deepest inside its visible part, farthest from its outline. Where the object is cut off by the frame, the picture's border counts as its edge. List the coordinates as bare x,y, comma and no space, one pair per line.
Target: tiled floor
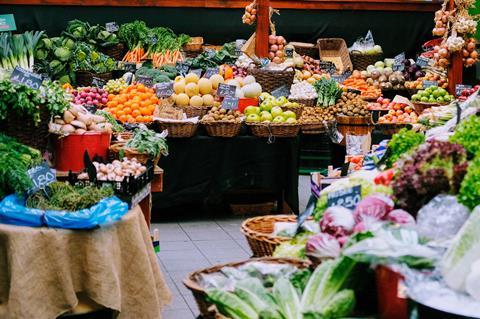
186,246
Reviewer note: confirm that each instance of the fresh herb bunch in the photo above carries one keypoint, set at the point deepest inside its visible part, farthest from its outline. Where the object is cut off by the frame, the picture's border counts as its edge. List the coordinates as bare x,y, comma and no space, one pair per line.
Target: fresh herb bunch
134,34
226,55
402,143
21,99
148,141
63,196
328,92
15,160
467,134
435,167
57,100
469,194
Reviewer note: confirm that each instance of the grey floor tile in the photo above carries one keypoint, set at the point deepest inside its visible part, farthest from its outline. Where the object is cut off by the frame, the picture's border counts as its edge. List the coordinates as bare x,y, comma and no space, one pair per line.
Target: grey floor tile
303,191
178,302
176,245
192,304
178,314
227,259
172,235
244,244
169,255
186,264
208,234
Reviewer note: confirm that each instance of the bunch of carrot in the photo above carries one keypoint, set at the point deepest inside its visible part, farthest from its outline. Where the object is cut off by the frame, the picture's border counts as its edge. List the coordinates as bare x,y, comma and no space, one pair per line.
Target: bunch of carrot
168,57
136,55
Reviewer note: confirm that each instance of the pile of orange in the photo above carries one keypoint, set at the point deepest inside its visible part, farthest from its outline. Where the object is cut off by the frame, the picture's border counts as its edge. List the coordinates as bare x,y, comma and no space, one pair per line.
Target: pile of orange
134,104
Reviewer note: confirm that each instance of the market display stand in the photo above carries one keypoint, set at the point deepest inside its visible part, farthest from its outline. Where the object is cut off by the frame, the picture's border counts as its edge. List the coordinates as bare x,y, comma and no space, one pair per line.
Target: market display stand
142,198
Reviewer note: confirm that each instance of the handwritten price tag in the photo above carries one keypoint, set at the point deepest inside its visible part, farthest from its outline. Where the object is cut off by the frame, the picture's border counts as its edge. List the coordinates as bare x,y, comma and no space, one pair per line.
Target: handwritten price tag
111,27
230,103
209,72
164,89
226,90
348,198
30,79
145,80
41,177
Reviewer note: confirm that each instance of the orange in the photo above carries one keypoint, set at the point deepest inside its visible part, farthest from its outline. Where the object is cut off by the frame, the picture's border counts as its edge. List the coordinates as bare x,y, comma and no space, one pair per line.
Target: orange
110,97
151,108
136,113
127,110
139,118
135,106
130,119
148,118
120,112
144,111
122,118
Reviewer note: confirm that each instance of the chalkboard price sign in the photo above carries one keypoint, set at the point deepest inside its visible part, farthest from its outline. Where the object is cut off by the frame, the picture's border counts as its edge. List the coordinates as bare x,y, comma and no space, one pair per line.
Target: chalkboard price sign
398,67
230,103
460,87
182,68
197,72
209,72
30,79
348,198
41,177
427,84
288,52
97,82
111,27
130,67
226,90
422,61
399,58
164,89
340,78
145,80
327,66
283,90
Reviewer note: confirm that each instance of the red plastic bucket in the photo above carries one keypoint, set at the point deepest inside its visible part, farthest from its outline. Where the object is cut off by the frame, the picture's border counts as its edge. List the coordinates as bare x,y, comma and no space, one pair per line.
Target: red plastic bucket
244,102
392,299
69,150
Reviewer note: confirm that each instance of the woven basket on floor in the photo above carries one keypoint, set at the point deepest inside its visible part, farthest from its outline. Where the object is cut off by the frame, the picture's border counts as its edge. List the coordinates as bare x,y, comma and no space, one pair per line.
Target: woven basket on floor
308,49
222,128
84,78
258,232
116,51
361,61
143,158
335,47
186,129
272,79
192,280
193,111
305,102
274,129
297,110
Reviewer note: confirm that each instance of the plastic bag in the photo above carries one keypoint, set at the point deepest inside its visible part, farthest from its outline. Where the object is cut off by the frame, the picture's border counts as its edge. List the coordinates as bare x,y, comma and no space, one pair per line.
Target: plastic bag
358,144
374,207
107,211
366,45
441,218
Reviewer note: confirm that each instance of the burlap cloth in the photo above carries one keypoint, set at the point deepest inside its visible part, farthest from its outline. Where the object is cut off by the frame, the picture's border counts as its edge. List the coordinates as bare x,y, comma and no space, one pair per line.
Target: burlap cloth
41,269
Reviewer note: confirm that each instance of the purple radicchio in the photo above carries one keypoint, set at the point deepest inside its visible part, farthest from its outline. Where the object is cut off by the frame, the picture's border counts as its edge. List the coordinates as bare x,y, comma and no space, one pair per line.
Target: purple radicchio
323,245
337,221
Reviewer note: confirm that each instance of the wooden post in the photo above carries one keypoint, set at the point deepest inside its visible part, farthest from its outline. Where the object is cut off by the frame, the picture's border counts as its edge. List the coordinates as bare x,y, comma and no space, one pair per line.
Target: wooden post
455,70
263,28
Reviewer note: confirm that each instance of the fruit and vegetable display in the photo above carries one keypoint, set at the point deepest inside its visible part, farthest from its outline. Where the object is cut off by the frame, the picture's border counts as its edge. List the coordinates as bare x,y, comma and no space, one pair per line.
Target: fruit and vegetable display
250,15
134,104
380,104
308,76
351,104
402,144
218,114
465,93
90,96
115,86
148,142
430,75
368,91
194,91
78,120
399,113
437,115
433,94
116,171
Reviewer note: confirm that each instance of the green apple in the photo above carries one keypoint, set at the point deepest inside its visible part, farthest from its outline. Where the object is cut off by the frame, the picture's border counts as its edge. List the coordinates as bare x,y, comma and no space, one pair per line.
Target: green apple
251,110
281,101
289,114
278,119
266,106
266,116
291,120
253,118
276,111
264,96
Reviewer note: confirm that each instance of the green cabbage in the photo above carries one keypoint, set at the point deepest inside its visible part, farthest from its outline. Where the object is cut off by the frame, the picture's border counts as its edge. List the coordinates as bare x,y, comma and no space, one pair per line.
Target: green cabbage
287,299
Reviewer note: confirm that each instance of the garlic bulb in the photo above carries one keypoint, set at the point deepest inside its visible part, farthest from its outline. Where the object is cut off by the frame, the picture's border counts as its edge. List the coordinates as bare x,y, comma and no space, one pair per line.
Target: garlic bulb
455,43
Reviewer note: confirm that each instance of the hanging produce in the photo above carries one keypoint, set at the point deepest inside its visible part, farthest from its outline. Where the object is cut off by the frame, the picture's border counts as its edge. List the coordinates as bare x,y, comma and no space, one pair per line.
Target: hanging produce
276,50
250,15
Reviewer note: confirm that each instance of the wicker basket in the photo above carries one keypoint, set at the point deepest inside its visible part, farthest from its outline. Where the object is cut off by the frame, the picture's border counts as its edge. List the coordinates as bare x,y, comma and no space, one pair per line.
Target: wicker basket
258,232
130,153
311,128
116,51
84,78
333,48
305,102
308,49
390,128
25,131
274,129
361,61
272,79
222,128
194,45
422,106
252,209
297,110
186,129
193,111
191,282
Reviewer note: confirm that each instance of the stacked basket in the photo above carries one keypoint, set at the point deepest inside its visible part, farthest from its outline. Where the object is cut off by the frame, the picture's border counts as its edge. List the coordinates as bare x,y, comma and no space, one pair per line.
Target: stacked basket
272,79
335,49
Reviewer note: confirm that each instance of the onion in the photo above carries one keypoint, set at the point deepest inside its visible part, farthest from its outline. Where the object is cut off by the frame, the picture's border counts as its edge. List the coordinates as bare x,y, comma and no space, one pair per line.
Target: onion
443,52
470,46
438,24
466,54
253,17
253,11
271,55
248,21
276,60
474,55
272,39
470,61
280,54
274,48
281,40
280,46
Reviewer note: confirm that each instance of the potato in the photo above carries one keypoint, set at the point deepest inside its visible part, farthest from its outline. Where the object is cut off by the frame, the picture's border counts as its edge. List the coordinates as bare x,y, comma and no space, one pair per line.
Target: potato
79,124
67,129
68,117
85,118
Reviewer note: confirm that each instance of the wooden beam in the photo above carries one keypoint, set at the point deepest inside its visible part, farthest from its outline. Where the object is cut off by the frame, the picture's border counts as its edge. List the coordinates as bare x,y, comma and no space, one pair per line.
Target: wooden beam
376,5
263,28
455,69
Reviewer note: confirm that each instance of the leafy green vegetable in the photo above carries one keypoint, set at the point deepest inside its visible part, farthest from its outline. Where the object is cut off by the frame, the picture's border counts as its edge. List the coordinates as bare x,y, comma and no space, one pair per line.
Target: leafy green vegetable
158,76
469,194
300,279
57,100
64,196
18,49
467,134
341,305
134,34
15,160
86,58
287,299
231,305
294,248
328,91
20,99
147,141
252,292
110,119
226,55
402,143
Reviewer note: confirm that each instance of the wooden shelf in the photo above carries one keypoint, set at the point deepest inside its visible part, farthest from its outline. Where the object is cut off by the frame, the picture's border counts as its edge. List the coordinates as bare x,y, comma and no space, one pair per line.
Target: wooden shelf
377,5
